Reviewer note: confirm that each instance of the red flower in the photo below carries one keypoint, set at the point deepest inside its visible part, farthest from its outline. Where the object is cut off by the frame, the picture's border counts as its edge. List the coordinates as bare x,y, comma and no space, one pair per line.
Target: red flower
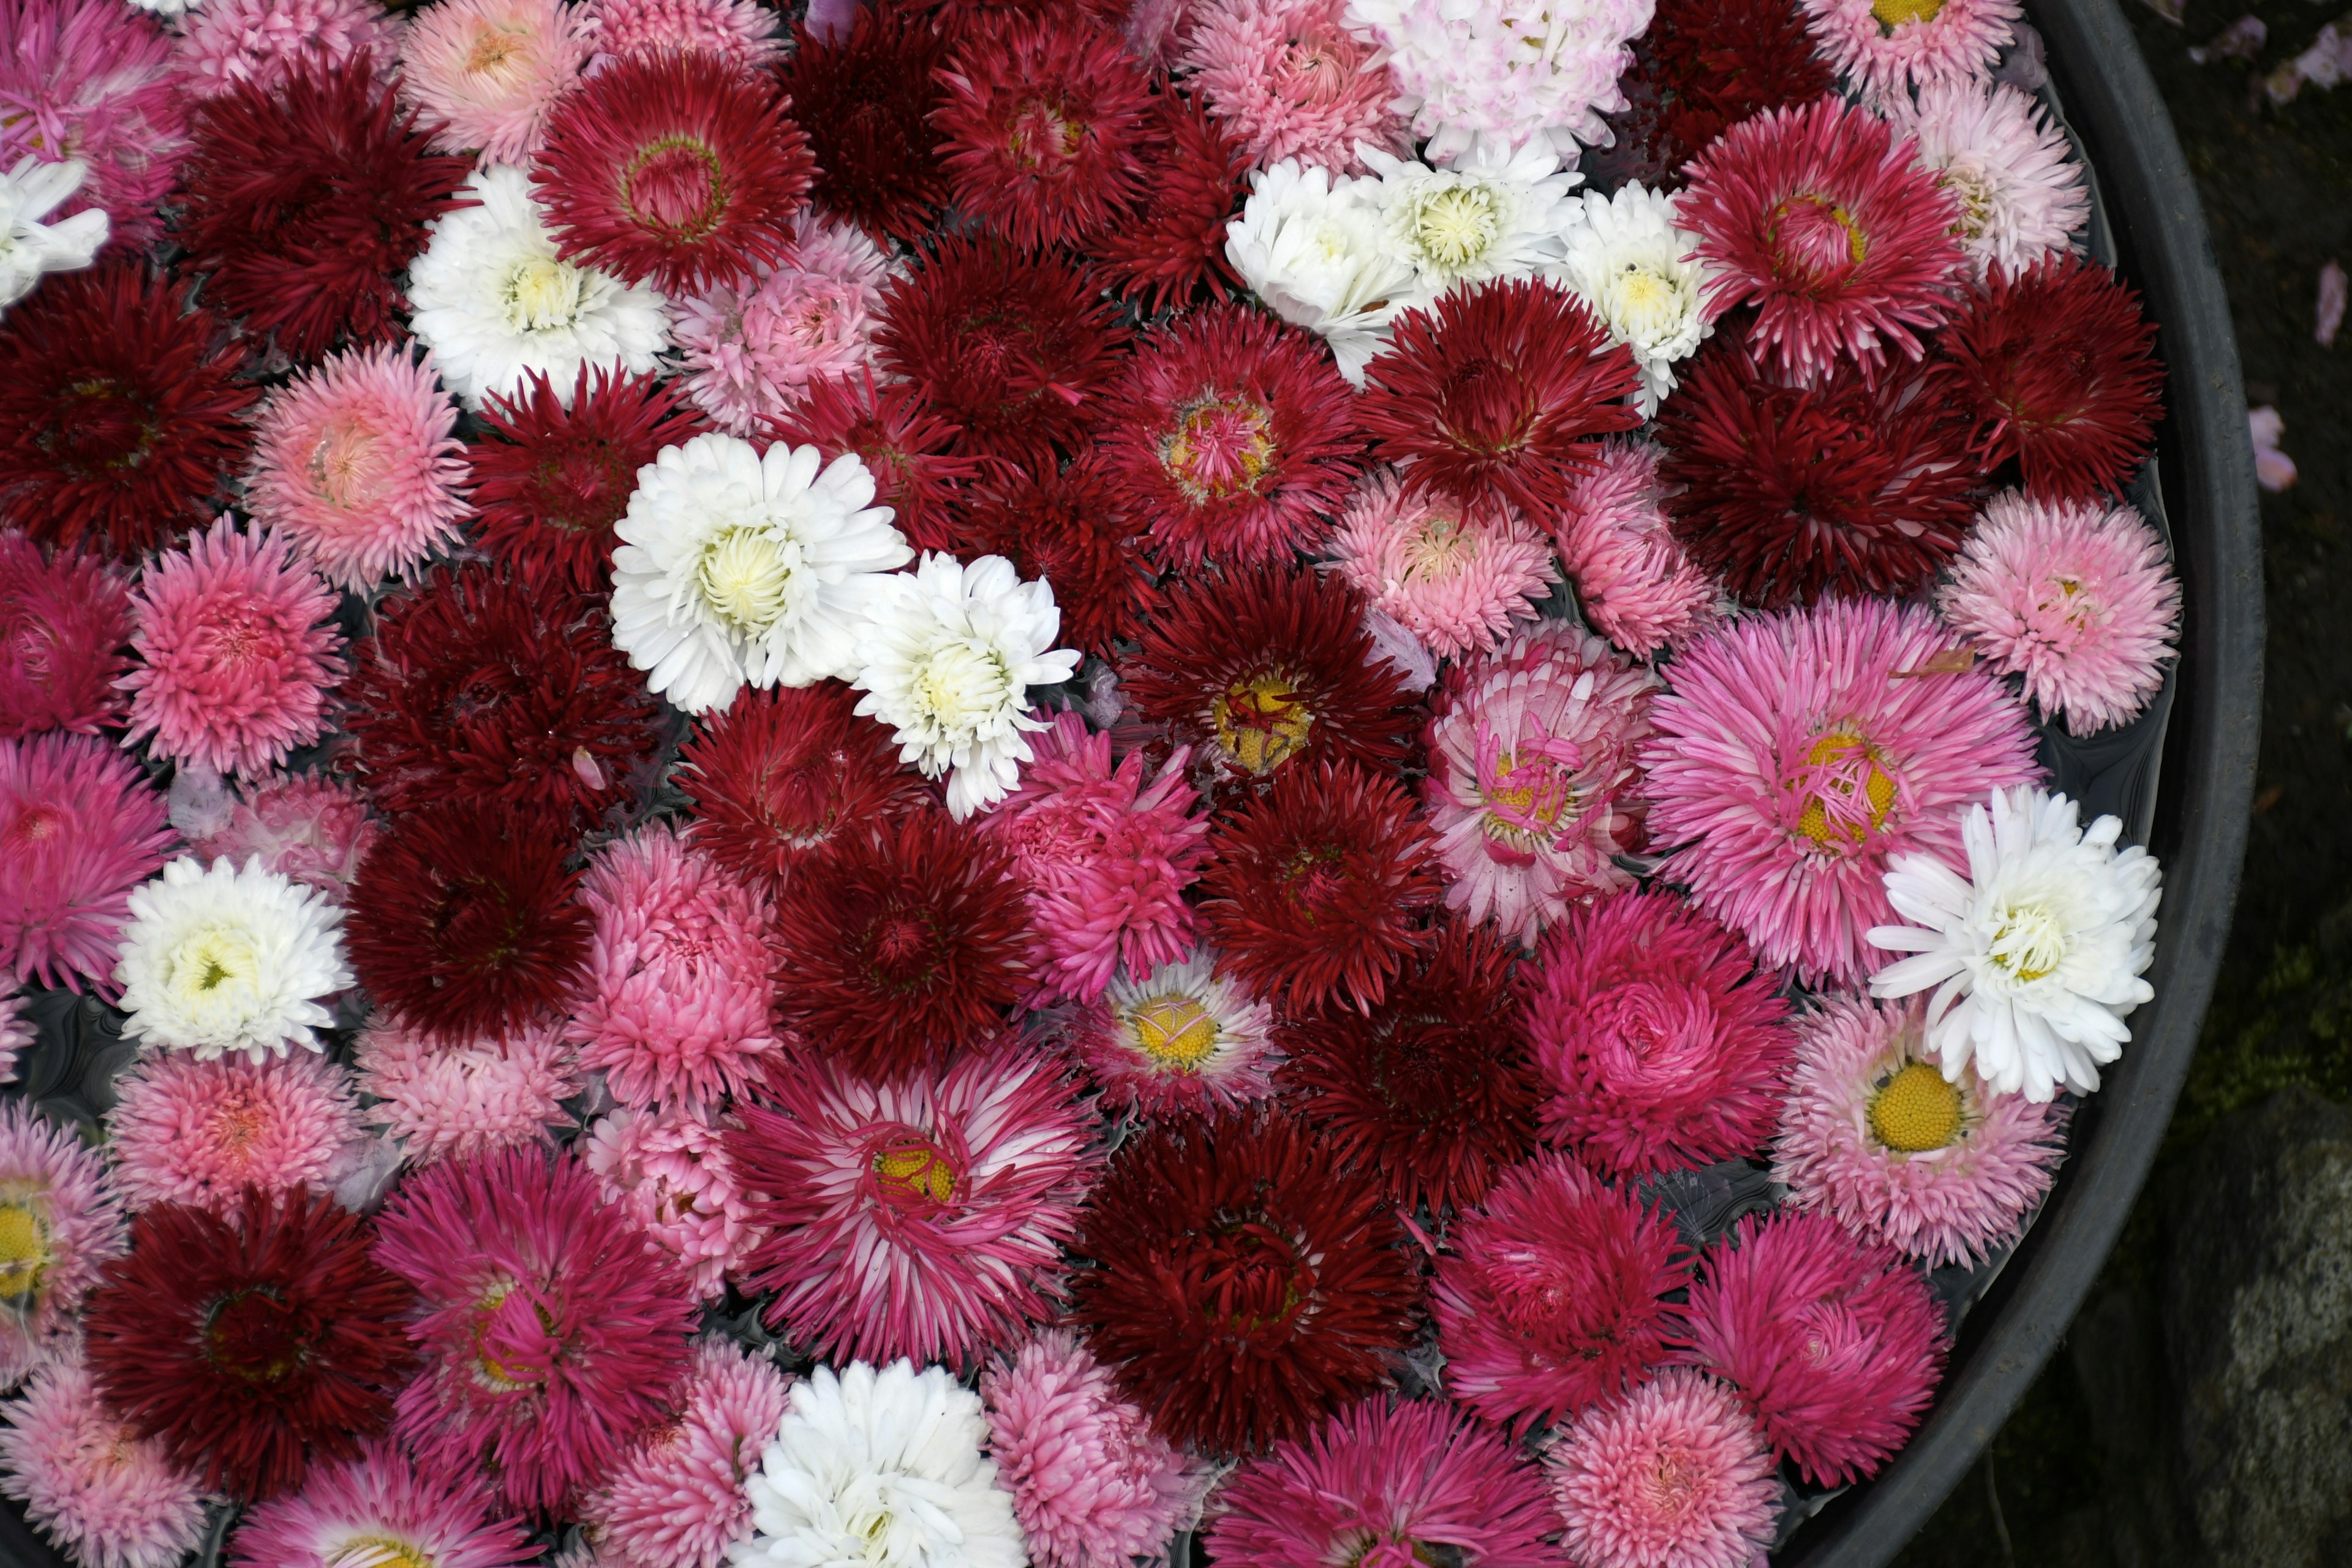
1430,1092
1710,63
462,920
1316,891
1848,486
778,774
1490,394
306,202
906,447
676,169
65,628
250,1344
908,938
551,489
2059,369
1236,434
1244,1287
1194,179
121,412
1072,529
865,97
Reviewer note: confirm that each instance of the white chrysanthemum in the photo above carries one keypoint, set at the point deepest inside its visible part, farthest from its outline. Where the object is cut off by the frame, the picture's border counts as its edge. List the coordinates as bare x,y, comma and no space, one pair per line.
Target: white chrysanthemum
1492,214
947,660
229,960
880,1468
2037,956
492,299
1315,248
2020,190
1627,260
29,192
735,567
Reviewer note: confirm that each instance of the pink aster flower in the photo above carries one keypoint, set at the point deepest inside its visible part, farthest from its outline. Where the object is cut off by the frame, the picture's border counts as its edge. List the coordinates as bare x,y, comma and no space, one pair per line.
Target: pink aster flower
1106,855
1798,752
2022,195
1889,46
676,1499
94,82
235,652
1455,576
922,1218
191,1131
1289,79
225,42
305,828
1093,1484
674,1004
1635,584
1675,1474
80,828
106,1496
60,1223
1833,1340
671,1171
1180,1040
2076,597
741,31
750,353
16,1035
1380,1485
357,463
381,1509
465,1099
1532,776
492,69
63,623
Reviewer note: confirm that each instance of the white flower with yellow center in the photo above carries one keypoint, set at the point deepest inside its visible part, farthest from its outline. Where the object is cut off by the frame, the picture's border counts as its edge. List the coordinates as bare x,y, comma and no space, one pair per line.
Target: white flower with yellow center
947,657
737,567
494,302
229,960
30,247
2036,956
1315,248
1495,213
1628,261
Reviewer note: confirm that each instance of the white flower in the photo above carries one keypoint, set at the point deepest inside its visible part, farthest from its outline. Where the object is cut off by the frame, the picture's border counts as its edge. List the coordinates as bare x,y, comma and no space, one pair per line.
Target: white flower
1315,248
28,248
880,1469
1495,213
492,299
735,567
948,655
1626,260
166,7
229,960
2013,172
2037,956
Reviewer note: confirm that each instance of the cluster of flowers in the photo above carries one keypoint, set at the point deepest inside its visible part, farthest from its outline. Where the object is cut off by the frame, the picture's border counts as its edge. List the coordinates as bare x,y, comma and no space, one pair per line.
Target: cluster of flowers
965,783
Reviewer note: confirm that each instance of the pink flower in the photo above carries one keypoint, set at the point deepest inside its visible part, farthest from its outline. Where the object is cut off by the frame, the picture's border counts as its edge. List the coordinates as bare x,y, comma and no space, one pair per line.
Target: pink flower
458,1102
1288,78
225,42
1456,578
236,650
750,353
1093,1484
2076,597
671,1171
492,69
2020,192
1182,1040
191,1132
1889,46
1633,581
63,623
94,82
60,1223
1675,1474
80,828
675,1002
1798,752
923,1217
311,829
676,1499
357,463
380,1508
1106,855
1377,1485
107,1497
18,1034
741,31
1532,773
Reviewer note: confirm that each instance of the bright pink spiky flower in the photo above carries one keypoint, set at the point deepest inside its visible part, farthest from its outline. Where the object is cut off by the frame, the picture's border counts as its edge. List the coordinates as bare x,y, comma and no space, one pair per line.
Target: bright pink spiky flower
224,43
382,1501
676,1499
55,1191
671,1171
1290,79
1635,584
493,70
465,1098
106,1496
79,827
1459,578
921,1216
1951,42
751,350
314,830
742,33
63,622
1675,1474
95,82
191,1132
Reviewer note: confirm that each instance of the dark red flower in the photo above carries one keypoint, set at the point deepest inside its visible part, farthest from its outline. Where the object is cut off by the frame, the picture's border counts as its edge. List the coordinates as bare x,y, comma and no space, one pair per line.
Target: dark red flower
1431,1091
1315,892
1074,529
1707,65
551,488
1493,392
250,1344
1015,348
1267,664
1245,1287
1173,244
121,412
306,202
906,447
1848,486
64,625
676,169
778,774
865,97
908,938
463,919
2060,368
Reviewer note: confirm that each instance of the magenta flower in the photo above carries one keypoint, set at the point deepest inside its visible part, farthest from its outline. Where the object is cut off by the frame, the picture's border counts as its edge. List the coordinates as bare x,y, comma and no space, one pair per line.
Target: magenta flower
225,42
1675,1474
80,828
380,1508
676,1499
491,70
1181,1040
199,1133
63,622
750,352
742,32
307,828
670,1172
60,1223
1458,577
1292,80
1633,581
460,1099
94,82
107,1497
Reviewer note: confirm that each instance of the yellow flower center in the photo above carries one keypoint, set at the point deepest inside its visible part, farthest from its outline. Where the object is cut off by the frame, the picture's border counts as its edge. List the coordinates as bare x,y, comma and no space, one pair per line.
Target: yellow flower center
1176,1032
1916,1110
916,1169
542,294
1439,549
208,961
1261,722
1457,226
1892,14
1973,192
379,1552
2031,942
745,580
1849,790
24,1251
494,49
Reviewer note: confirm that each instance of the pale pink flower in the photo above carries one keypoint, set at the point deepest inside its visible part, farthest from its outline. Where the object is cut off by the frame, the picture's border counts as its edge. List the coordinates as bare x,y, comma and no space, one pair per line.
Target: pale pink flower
16,1035
94,82
677,1500
1180,1039
382,1510
750,353
1675,1474
106,1496
455,1101
80,828
1458,577
492,69
307,828
60,1223
2274,469
1888,47
671,1170
191,1131
741,31
225,42
2335,292
2020,192
1289,79
1634,581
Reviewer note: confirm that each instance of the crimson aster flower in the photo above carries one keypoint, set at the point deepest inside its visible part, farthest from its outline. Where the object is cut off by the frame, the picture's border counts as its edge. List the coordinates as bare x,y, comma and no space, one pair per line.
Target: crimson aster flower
743,33
60,1225
677,1500
906,447
865,94
1675,1474
1171,245
380,1506
1292,80
1458,577
64,620
95,83
1706,65
1077,529
186,1130
1177,1040
492,71
271,43
1890,47
752,349
457,1099
1634,581
308,829
80,828
103,1495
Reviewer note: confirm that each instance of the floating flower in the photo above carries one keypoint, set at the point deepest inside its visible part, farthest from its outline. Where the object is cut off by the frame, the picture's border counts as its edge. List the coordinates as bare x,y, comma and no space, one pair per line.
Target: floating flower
105,1495
274,44
1884,46
1171,245
80,828
63,623
1675,1474
671,1170
1288,77
308,829
1076,529
1180,1039
1315,248
1710,64
1635,584
1634,266
908,449
461,1099
752,349
2020,190
742,33
492,71
1492,212
61,1225
94,84
1467,74
189,1130
678,1499
29,192
381,1505
229,959
865,93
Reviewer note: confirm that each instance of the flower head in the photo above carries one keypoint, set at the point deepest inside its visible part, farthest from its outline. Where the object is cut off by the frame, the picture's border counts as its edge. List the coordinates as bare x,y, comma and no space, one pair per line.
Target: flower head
1291,81
80,828
865,94
2020,192
1178,1040
753,348
742,33
94,84
191,1131
274,44
1077,529
458,1099
380,1506
60,1223
1675,1474
309,829
1884,46
671,1169
30,192
907,446
1492,212
678,1498
1315,248
1171,248
1632,263
492,71
107,1497
1634,581
1704,66
1468,74
63,623
229,959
